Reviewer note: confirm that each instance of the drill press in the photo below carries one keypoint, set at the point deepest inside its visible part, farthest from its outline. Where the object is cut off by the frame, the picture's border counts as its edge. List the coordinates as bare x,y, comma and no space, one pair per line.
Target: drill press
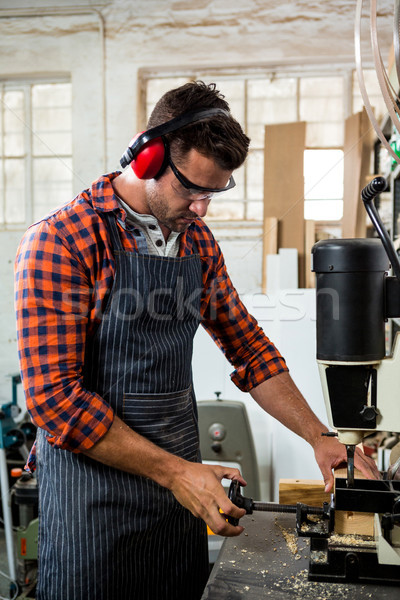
361,385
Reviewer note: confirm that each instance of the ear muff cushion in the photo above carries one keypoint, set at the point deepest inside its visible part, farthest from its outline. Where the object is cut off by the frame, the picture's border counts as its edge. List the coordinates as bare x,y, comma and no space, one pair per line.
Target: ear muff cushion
150,159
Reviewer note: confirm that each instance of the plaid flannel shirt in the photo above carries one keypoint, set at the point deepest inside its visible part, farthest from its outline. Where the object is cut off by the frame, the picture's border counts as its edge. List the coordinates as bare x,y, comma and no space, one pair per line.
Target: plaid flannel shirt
64,270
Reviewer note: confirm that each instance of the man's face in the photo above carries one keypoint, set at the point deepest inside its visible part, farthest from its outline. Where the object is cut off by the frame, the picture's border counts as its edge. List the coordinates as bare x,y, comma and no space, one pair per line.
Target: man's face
172,204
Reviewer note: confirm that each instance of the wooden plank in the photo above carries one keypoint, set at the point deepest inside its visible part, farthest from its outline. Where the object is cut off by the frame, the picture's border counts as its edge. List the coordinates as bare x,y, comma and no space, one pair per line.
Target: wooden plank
308,244
357,153
354,523
350,522
270,246
284,184
309,491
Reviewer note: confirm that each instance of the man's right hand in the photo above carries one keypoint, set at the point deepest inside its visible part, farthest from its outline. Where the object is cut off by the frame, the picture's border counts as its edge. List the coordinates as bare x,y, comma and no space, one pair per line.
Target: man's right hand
198,488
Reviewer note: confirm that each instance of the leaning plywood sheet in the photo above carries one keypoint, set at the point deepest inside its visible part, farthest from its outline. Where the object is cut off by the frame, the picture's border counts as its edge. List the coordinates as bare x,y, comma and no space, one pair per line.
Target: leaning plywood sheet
284,185
270,245
357,155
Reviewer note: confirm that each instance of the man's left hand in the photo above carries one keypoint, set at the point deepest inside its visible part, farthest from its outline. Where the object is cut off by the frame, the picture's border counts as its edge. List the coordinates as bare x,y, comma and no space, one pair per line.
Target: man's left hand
330,453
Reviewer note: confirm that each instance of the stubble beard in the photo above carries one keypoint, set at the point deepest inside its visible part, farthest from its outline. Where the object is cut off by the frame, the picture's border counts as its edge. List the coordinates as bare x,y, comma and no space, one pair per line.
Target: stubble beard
160,210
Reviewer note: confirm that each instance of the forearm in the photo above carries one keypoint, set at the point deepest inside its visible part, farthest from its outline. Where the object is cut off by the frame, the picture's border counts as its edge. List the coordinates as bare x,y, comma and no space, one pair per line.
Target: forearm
122,448
280,397
196,486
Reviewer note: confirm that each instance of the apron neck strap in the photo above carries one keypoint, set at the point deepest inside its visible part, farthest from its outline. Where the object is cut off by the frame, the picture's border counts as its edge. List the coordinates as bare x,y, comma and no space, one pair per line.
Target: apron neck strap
111,221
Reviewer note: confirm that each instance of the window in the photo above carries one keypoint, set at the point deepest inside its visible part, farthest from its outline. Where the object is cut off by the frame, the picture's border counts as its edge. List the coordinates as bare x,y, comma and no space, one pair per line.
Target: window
323,185
323,101
35,150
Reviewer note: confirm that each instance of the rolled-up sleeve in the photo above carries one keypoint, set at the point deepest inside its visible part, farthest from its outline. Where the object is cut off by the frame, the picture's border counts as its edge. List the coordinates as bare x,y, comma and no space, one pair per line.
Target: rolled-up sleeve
52,299
235,331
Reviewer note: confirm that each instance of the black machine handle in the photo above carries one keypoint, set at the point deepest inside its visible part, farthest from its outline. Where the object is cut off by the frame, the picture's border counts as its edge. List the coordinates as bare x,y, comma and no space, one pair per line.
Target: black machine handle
300,510
368,194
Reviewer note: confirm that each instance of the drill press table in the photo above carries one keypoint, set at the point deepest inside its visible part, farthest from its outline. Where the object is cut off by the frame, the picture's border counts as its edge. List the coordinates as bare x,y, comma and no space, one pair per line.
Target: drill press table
269,560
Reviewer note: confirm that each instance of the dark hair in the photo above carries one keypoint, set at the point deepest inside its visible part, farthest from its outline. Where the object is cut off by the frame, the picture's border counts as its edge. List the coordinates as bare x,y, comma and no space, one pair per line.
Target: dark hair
219,137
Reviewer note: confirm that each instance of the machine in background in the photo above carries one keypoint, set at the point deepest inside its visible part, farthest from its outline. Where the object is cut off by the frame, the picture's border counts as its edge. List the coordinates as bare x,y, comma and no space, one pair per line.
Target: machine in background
226,438
19,504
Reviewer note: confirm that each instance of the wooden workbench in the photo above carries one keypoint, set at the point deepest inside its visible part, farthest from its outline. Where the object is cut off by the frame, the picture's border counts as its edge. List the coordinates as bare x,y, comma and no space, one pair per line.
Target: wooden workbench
269,560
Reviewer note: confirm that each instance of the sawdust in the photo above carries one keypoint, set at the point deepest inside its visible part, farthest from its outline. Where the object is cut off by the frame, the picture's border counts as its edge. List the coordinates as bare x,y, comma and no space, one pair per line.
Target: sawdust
337,539
305,589
291,541
319,556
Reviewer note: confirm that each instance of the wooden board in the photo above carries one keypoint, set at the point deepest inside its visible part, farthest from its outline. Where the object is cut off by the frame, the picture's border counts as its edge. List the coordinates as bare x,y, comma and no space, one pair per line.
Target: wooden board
270,246
349,522
357,153
309,491
309,243
284,185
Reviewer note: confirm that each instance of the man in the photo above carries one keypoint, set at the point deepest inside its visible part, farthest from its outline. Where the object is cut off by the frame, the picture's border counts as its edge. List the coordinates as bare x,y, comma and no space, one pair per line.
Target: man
110,290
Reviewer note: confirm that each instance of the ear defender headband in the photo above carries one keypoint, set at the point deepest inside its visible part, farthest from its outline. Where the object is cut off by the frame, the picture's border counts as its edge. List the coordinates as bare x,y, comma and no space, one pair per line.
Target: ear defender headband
148,152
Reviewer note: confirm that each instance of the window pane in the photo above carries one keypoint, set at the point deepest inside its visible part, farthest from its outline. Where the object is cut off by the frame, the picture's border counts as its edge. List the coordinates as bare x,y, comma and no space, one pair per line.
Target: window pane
236,193
323,184
234,95
226,211
47,143
1,192
1,122
323,174
51,94
52,181
269,102
255,175
14,190
322,107
255,211
14,123
328,210
320,135
51,119
156,88
374,93
321,87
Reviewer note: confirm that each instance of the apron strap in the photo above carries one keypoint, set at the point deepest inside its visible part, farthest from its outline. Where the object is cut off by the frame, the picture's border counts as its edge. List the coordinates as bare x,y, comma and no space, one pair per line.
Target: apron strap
111,221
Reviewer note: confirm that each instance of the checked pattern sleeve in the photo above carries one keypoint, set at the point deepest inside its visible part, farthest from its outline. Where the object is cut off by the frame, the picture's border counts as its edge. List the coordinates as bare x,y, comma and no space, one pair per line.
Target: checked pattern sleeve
52,297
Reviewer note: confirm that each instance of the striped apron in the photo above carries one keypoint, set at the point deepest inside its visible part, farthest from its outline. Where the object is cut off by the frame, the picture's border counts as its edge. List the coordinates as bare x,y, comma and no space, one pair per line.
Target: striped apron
105,534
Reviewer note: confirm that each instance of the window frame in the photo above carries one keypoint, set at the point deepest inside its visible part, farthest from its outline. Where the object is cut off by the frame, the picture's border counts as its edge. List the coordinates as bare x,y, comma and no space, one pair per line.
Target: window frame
25,84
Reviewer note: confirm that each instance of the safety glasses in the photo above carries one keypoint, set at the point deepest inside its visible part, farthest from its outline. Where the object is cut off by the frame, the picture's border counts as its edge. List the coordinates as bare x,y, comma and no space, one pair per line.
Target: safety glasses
193,188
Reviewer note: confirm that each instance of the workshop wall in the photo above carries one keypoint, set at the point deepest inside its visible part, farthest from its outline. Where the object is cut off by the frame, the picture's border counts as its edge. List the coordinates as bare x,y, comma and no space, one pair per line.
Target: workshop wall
101,48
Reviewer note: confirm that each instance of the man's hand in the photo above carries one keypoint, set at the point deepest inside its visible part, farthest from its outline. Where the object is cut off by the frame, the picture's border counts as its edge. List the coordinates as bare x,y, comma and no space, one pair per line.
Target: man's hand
198,488
330,453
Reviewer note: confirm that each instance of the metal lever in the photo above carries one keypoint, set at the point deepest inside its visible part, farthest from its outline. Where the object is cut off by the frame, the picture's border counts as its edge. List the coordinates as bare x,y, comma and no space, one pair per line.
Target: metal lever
375,187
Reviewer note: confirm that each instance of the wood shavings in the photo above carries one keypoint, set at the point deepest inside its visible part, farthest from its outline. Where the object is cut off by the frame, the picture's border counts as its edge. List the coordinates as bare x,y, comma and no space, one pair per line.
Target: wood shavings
338,539
290,539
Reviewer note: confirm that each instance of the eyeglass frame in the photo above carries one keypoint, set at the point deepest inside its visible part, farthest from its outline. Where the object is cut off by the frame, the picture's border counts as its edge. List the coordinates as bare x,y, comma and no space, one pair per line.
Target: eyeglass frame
188,185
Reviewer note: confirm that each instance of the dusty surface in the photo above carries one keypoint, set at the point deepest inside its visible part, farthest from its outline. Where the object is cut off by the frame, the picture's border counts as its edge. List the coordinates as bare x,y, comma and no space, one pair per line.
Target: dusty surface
270,561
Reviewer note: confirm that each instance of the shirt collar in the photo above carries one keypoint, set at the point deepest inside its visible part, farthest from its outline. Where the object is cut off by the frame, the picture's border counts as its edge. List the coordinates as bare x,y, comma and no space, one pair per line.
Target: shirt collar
103,197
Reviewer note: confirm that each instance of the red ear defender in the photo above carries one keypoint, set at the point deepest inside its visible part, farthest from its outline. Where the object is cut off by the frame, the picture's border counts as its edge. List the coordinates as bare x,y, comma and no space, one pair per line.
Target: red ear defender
148,152
150,159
